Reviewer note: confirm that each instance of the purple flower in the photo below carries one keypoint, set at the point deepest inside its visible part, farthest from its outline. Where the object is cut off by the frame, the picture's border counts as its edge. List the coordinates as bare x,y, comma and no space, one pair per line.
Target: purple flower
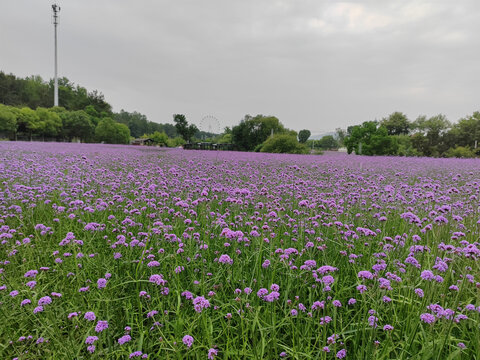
45,300
361,288
157,279
274,287
31,274
152,314
419,293
188,340
274,295
91,349
90,340
101,325
225,259
365,274
427,318
124,339
372,321
341,354
25,302
90,316
427,275
38,309
262,292
212,353
200,303
388,327
101,283
72,314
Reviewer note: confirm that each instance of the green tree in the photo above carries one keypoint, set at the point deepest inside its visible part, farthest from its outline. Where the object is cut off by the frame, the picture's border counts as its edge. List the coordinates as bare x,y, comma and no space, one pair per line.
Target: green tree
8,120
460,152
428,139
185,130
136,122
28,122
340,134
50,124
369,139
111,132
159,138
175,142
122,134
303,135
465,132
396,124
285,144
253,131
328,142
77,124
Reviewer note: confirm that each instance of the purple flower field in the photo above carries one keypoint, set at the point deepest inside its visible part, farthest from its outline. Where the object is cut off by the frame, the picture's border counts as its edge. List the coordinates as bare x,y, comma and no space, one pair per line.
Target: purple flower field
125,252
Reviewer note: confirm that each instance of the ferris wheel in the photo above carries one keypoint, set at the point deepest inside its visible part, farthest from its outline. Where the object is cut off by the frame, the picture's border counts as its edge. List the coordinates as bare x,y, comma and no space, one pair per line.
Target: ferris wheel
210,124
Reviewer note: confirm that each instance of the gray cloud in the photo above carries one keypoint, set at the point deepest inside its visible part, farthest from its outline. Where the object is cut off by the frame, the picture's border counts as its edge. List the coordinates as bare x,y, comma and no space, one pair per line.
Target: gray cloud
314,64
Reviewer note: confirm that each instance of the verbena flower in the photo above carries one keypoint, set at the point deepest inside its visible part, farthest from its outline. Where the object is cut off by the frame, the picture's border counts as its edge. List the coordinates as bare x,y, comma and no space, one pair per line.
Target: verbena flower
188,340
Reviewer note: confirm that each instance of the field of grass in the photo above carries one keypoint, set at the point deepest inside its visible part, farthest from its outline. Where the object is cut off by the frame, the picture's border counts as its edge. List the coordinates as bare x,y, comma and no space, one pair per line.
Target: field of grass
118,252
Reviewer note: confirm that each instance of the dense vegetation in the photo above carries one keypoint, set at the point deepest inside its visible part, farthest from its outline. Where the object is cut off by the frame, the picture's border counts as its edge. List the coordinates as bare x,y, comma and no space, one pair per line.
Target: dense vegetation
426,136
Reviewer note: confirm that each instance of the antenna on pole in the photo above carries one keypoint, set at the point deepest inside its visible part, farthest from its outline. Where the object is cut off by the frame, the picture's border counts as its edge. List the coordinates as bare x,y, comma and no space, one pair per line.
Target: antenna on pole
56,10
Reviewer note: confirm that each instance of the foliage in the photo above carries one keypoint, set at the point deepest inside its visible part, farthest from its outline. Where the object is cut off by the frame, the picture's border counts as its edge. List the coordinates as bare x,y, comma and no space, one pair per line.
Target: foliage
253,131
8,120
49,123
460,152
176,142
405,147
396,124
77,124
28,121
303,136
284,144
111,132
34,92
427,139
328,142
340,135
370,139
159,138
139,124
225,139
185,130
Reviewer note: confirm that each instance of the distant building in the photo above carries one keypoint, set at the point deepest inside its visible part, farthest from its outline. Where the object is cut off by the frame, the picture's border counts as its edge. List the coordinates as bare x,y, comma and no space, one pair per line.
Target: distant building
142,142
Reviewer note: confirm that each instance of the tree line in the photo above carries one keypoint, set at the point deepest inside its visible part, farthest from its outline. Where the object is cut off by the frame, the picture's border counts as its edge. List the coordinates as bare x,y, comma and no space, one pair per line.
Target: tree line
59,124
86,116
26,114
433,136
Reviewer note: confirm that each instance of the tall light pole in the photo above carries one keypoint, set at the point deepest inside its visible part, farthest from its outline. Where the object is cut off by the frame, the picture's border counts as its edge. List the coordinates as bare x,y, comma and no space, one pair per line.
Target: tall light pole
56,10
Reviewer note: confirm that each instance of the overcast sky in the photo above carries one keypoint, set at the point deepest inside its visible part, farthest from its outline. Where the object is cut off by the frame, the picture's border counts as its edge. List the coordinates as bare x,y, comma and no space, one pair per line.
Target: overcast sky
313,64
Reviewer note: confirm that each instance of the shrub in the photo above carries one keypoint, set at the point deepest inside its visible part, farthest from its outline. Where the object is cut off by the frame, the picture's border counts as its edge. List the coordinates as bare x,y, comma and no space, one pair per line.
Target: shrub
286,144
